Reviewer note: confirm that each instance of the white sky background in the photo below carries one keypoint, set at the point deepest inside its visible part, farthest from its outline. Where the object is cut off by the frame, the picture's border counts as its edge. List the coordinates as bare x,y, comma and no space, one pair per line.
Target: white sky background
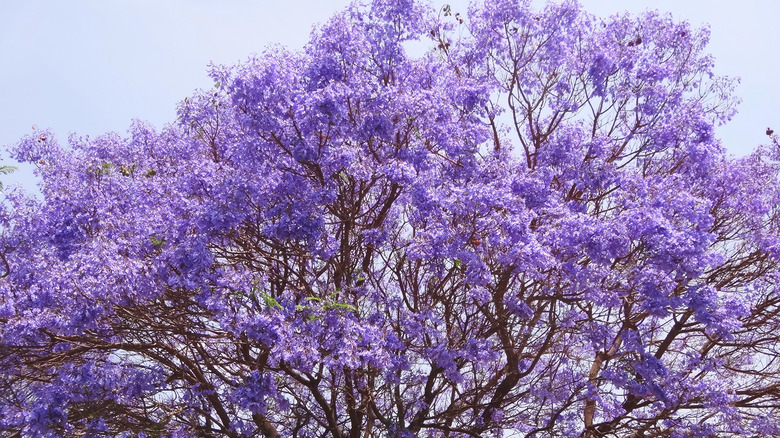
91,66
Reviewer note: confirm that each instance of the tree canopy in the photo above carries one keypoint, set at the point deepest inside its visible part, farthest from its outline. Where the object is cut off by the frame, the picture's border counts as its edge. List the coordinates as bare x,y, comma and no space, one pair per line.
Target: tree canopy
529,229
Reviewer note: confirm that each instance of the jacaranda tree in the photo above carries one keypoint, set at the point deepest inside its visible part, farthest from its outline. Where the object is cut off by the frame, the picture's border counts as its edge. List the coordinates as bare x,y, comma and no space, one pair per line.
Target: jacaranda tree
527,230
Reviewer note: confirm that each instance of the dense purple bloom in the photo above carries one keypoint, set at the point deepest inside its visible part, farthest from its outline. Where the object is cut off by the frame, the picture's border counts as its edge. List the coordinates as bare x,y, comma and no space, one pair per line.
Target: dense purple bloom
530,230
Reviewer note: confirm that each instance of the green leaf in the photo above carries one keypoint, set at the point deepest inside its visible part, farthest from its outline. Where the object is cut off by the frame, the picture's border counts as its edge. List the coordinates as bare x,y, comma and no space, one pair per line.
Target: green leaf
270,301
341,306
5,170
105,168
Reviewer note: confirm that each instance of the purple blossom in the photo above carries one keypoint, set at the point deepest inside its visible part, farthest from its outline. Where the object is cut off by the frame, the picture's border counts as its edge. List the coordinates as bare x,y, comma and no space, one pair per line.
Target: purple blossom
531,229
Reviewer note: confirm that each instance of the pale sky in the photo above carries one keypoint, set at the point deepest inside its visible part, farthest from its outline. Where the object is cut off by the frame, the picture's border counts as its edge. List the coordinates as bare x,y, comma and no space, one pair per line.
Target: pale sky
91,66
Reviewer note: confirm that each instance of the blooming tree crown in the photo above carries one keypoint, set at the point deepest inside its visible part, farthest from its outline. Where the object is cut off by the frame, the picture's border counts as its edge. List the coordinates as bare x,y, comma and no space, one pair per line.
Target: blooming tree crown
528,230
